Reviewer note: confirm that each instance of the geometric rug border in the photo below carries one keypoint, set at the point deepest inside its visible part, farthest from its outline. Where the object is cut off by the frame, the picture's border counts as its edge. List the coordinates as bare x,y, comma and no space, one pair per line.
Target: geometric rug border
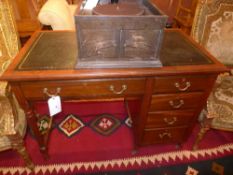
125,163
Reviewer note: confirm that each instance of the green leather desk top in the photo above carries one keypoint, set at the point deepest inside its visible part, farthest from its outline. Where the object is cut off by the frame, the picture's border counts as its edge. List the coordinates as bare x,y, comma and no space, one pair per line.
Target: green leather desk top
58,51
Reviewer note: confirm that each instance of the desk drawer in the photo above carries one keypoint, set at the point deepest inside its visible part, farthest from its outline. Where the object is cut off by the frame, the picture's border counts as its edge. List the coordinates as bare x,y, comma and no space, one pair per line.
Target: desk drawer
172,84
175,101
84,89
169,118
164,135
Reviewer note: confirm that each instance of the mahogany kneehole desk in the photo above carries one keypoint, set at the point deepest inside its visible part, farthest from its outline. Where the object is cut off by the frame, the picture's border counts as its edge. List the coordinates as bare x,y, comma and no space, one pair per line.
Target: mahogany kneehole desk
170,98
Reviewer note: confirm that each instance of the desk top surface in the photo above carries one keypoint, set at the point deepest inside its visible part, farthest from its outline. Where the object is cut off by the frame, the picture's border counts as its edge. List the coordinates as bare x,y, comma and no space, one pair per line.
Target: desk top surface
59,51
54,55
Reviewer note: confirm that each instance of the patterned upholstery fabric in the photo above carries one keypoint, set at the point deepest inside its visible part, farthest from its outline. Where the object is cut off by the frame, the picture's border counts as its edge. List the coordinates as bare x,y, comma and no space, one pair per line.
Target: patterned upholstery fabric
220,104
9,47
213,28
8,126
6,118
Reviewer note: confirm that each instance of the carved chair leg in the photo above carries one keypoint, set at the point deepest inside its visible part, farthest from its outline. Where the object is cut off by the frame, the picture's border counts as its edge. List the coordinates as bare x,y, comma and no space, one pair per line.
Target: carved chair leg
18,145
200,136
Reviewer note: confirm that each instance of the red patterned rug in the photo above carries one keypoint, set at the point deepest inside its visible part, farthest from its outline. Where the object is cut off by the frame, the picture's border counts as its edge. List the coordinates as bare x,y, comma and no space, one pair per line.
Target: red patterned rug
97,138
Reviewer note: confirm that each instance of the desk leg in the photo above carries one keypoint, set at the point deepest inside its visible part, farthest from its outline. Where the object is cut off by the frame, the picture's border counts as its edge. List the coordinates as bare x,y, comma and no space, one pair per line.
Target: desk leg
31,117
32,121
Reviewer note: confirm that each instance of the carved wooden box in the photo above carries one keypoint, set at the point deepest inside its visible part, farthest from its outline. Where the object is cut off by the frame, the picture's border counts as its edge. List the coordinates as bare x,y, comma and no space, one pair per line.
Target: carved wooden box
119,38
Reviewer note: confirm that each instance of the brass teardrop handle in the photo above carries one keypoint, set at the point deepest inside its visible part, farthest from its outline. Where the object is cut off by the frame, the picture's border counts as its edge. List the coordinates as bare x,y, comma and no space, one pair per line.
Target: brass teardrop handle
170,122
165,134
183,87
46,91
176,104
123,88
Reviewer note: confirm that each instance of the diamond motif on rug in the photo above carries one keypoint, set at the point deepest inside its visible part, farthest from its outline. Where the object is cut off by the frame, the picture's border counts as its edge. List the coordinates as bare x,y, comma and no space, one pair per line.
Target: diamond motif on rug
217,168
105,124
71,125
191,171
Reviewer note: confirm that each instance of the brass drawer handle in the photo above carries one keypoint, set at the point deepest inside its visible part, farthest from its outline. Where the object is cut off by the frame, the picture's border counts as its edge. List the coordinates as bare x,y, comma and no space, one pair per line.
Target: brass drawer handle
187,84
123,88
46,91
171,122
165,134
176,105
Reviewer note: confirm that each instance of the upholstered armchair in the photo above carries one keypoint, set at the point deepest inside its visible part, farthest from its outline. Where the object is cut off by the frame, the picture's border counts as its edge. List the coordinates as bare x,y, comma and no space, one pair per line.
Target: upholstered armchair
213,29
12,118
58,14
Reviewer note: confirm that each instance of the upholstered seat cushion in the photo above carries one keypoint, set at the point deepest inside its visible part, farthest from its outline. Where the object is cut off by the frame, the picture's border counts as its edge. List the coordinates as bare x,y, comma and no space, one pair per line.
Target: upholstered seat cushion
220,103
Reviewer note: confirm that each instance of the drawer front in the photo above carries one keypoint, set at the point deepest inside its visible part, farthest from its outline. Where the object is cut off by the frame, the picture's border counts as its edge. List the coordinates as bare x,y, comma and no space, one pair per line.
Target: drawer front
172,84
175,101
169,118
166,135
84,89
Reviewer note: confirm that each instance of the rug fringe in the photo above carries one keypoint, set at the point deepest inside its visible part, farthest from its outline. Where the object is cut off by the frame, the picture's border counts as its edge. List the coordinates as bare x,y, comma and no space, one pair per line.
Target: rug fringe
156,160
